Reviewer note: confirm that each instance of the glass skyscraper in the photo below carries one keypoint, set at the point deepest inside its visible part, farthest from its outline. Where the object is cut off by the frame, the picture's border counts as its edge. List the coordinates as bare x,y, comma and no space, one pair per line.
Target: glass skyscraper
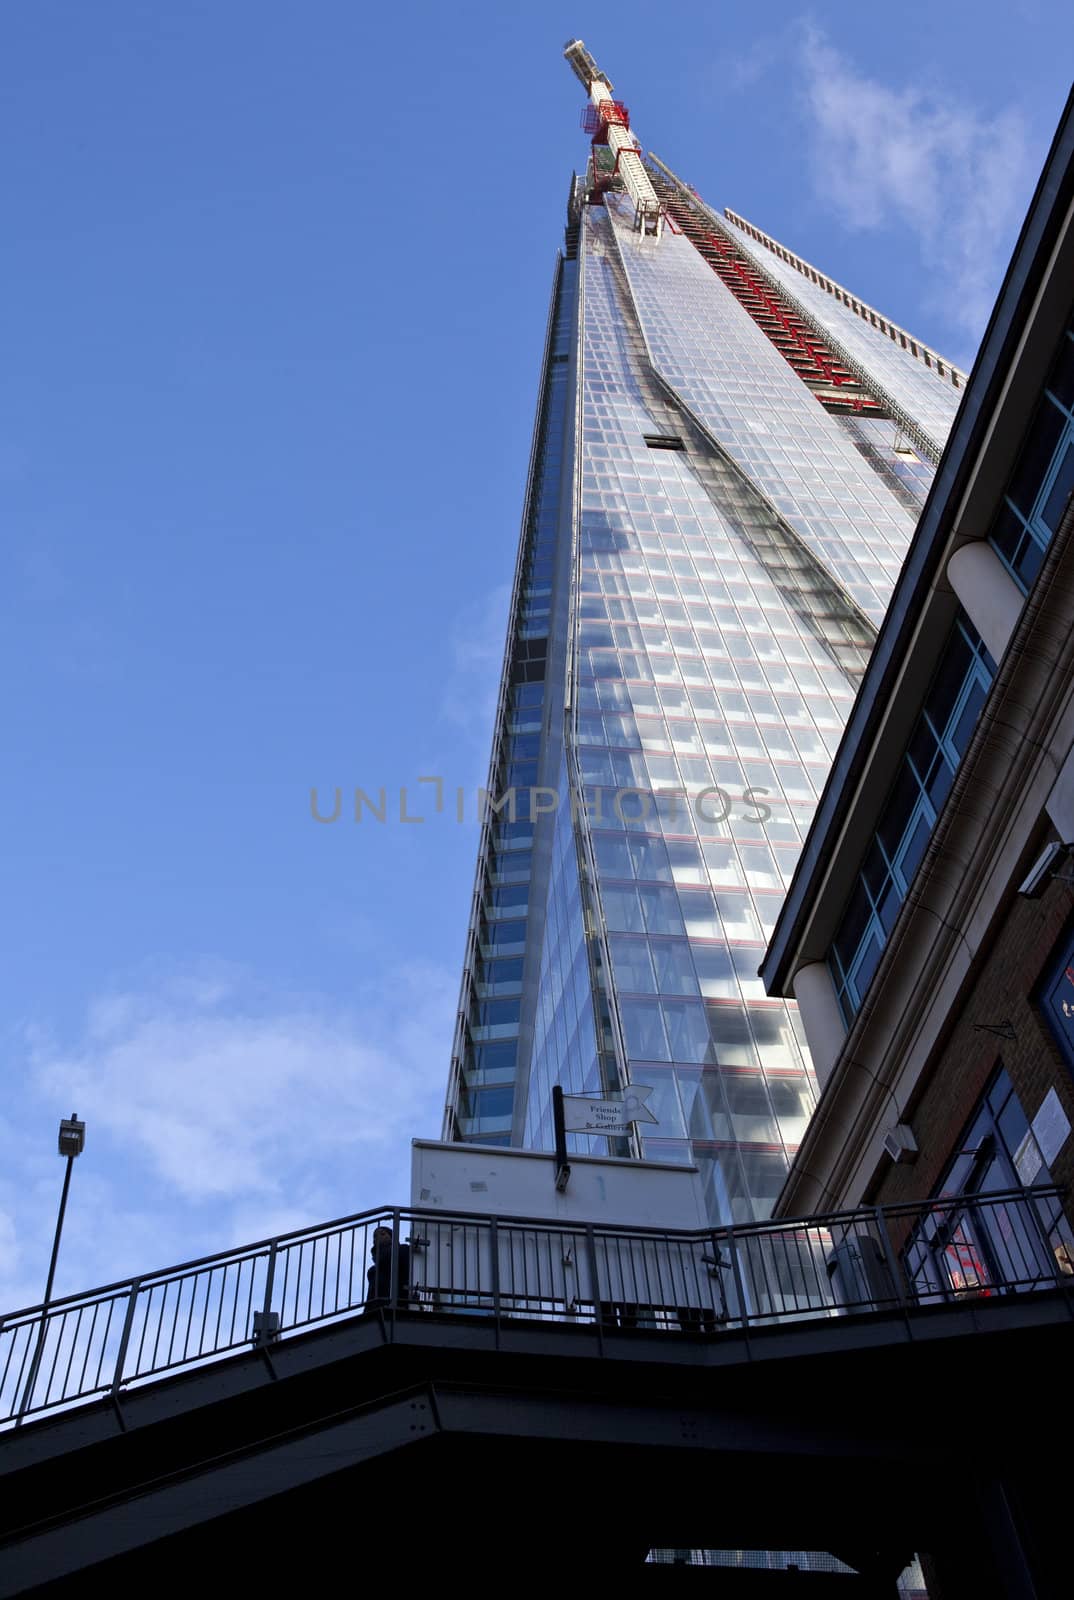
729,457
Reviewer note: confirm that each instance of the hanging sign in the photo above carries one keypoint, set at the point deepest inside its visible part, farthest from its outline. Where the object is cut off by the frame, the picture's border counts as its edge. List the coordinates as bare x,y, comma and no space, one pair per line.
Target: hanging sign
610,1113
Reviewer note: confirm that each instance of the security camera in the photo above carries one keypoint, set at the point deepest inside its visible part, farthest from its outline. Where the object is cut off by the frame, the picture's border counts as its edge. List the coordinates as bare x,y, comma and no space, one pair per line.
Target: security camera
1043,870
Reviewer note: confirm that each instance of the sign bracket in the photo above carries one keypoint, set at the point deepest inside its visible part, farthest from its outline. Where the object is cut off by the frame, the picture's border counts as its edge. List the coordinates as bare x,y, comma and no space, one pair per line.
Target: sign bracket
563,1167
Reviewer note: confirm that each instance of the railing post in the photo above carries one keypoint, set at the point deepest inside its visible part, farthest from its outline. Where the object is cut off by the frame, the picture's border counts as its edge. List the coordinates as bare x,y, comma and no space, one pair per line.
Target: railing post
266,1306
594,1277
125,1336
898,1283
740,1288
35,1364
716,1278
494,1273
393,1274
1049,1248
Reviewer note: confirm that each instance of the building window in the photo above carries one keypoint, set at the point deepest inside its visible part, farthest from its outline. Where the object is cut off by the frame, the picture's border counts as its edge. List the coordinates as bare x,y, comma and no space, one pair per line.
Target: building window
974,1245
1055,996
503,938
1043,477
663,441
484,1111
940,737
496,1017
491,1063
499,977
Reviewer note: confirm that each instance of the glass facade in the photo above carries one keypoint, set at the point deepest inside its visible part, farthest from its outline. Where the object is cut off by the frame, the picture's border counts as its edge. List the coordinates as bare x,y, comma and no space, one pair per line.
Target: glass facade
892,457
718,546
751,402
500,977
926,772
572,1043
905,372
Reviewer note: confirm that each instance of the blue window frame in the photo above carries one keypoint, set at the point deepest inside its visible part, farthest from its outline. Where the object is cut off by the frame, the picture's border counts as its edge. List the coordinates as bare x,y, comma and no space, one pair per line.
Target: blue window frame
1043,477
941,735
1055,995
986,1247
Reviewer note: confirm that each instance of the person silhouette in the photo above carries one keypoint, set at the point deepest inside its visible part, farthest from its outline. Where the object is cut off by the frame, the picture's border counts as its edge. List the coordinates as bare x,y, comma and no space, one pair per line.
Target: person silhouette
379,1275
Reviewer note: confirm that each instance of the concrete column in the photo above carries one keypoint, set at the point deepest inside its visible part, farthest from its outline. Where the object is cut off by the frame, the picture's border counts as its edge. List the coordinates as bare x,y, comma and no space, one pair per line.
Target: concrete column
989,595
821,1017
1060,802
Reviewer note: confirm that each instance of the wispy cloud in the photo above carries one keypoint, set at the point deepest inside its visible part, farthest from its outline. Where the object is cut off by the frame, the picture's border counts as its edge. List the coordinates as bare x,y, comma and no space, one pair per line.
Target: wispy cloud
745,66
469,696
223,1093
958,179
218,1112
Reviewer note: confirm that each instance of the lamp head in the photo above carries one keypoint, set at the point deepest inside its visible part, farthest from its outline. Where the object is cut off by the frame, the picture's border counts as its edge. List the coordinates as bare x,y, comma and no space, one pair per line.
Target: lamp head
72,1136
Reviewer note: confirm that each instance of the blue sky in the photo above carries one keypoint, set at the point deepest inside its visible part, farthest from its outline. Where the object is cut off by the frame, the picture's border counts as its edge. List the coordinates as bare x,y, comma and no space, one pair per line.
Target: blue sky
277,278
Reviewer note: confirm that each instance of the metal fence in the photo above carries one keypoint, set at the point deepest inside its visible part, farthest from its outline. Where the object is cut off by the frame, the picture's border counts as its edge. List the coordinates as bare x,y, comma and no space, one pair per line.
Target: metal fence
936,1251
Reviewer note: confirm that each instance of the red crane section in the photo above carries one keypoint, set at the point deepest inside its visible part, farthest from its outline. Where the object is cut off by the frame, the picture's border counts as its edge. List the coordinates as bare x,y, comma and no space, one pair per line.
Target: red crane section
800,346
596,120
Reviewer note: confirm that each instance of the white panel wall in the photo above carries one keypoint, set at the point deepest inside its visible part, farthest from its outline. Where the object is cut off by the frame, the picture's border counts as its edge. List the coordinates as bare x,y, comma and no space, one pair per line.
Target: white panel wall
521,1183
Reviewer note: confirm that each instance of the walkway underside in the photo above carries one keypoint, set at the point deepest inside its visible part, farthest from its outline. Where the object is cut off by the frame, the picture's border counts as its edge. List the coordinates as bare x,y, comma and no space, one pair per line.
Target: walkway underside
439,1449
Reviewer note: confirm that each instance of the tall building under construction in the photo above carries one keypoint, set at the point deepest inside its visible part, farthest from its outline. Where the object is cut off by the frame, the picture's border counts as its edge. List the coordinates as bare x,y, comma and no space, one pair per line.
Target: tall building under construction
729,458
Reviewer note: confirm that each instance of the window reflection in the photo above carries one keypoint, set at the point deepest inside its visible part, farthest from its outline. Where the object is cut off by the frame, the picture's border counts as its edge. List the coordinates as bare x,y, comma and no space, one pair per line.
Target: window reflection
959,1251
1043,478
939,740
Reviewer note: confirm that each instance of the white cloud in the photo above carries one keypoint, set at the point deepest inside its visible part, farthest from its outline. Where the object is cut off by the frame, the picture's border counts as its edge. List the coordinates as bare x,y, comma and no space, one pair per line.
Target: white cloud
226,1096
744,67
958,179
217,1114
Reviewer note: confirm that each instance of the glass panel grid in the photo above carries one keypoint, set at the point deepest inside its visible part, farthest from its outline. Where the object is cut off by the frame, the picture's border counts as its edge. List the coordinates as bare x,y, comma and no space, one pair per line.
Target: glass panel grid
928,398
716,664
732,378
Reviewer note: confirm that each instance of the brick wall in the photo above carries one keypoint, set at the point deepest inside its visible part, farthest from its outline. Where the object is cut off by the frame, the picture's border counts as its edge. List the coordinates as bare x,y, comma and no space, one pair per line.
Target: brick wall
1001,994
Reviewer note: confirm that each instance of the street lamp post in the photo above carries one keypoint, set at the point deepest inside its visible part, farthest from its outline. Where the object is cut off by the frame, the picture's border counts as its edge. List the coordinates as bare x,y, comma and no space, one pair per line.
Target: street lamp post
71,1143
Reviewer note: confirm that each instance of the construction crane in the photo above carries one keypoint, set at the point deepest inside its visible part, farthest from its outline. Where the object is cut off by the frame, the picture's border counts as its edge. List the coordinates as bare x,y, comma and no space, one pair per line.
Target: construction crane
608,120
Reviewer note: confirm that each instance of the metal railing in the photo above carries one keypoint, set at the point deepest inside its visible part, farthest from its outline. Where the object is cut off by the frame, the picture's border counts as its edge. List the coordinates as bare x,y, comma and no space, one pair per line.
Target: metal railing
905,1256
